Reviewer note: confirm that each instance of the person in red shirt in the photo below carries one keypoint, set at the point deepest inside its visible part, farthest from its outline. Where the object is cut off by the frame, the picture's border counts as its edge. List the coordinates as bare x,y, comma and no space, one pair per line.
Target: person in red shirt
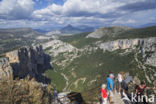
104,94
140,89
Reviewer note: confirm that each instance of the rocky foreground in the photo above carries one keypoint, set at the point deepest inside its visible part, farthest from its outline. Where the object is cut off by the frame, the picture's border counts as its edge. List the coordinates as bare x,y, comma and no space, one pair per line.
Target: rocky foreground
22,79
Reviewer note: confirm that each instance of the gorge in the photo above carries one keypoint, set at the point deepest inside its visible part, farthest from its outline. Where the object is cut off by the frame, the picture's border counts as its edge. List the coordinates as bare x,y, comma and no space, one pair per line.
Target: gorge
80,63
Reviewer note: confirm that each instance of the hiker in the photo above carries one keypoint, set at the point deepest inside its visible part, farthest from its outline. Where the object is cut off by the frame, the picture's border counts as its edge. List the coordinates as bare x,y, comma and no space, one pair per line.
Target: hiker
110,72
119,81
104,94
124,85
55,97
110,87
140,91
140,88
124,89
55,94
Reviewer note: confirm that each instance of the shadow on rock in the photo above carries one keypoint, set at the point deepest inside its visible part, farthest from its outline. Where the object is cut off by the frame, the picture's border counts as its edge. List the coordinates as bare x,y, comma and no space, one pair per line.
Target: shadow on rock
76,98
30,61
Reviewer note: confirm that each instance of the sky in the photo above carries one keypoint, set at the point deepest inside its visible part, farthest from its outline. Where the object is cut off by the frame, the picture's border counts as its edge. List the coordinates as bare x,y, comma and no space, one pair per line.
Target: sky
59,13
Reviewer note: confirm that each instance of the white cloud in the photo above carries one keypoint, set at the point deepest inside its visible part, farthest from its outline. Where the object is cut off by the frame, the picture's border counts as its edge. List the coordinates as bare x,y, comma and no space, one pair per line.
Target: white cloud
86,12
75,12
130,21
16,9
123,21
84,7
78,12
76,7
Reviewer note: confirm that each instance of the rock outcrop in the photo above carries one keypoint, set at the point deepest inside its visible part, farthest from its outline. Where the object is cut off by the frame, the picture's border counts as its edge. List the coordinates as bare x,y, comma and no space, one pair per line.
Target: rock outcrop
56,47
147,47
5,68
25,61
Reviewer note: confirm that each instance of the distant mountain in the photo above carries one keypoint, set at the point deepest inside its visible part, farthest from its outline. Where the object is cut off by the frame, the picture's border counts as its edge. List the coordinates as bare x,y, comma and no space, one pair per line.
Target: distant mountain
86,28
18,33
108,31
69,29
56,32
147,25
42,31
13,38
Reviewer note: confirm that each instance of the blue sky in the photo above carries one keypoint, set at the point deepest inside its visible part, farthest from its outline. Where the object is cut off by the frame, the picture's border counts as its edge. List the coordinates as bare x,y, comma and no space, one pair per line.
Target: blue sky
59,13
40,4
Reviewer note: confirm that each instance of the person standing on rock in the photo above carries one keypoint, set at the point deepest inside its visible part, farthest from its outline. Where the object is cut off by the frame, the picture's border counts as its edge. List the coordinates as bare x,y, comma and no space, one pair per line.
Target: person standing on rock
104,94
119,81
55,97
140,91
110,72
110,87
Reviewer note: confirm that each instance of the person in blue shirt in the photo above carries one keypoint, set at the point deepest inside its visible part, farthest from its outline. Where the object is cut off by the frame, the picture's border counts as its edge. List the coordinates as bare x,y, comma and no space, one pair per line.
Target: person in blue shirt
110,87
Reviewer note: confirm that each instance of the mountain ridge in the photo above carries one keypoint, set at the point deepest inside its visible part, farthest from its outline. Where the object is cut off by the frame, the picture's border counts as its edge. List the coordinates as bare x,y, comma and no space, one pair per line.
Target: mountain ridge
98,33
69,29
17,37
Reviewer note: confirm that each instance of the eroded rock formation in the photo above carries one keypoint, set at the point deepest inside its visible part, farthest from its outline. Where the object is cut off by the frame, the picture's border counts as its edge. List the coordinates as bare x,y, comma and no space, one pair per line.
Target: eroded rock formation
25,61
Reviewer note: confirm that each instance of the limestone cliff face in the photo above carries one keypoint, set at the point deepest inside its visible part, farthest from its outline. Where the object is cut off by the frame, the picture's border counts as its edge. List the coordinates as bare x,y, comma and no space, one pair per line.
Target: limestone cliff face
5,68
57,47
30,61
125,44
147,47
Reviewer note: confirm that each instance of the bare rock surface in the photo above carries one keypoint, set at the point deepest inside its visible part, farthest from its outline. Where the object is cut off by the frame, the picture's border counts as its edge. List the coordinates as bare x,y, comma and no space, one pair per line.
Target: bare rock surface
147,47
25,61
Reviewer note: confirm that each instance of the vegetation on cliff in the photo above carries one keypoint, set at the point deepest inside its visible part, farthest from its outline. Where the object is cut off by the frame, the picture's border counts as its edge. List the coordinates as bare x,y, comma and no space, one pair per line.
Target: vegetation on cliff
25,91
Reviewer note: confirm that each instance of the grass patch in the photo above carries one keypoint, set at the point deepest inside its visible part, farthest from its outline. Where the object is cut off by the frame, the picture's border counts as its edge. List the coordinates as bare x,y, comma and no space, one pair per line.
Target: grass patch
138,33
57,80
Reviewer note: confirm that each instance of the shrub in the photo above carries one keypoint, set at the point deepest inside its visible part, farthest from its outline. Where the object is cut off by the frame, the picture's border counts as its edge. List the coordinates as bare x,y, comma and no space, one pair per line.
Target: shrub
25,91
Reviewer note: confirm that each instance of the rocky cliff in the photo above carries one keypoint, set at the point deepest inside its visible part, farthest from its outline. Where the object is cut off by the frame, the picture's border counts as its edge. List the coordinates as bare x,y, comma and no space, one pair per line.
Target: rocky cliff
56,47
25,61
146,46
5,68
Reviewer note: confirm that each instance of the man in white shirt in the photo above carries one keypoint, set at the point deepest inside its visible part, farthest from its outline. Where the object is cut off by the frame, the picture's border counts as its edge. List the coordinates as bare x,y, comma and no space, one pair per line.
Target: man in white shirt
120,79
